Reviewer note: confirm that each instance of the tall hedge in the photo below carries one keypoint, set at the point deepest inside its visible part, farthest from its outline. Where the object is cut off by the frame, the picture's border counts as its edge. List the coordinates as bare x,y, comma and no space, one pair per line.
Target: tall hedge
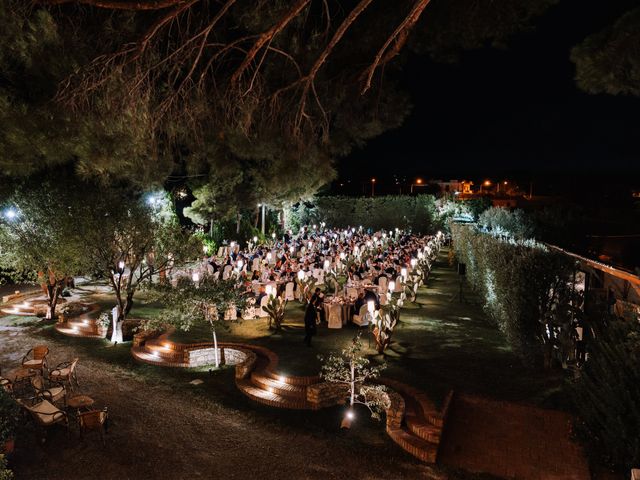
519,282
383,212
607,394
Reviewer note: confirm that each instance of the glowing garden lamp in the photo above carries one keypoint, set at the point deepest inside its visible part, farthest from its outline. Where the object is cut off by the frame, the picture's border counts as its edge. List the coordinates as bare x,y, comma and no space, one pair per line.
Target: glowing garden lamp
292,249
240,264
195,276
368,243
232,244
300,275
310,245
392,286
121,265
342,255
371,307
413,263
403,273
327,264
273,235
10,213
255,239
315,226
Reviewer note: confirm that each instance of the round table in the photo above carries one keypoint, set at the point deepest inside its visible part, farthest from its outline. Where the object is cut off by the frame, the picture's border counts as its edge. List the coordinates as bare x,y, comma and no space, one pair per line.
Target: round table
80,401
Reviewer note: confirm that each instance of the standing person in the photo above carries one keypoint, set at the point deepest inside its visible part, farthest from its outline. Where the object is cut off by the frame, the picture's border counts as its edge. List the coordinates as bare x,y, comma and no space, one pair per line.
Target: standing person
309,323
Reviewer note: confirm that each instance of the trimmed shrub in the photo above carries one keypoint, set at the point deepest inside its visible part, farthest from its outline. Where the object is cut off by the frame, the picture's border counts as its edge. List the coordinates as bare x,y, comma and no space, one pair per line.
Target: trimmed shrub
607,394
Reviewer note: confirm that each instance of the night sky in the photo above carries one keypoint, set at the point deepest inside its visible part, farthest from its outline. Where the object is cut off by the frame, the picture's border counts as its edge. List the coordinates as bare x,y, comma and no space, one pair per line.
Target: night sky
511,113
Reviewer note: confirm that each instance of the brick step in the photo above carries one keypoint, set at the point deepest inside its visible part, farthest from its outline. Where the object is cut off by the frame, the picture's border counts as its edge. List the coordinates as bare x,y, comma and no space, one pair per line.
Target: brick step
76,332
272,399
279,387
420,427
418,447
160,352
20,311
151,359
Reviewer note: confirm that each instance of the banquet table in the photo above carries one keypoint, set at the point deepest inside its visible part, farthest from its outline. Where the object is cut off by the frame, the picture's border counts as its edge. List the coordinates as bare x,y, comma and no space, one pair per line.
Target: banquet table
345,306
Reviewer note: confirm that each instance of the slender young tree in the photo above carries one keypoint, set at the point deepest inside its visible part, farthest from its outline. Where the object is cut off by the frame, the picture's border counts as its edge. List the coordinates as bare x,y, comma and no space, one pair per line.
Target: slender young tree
196,301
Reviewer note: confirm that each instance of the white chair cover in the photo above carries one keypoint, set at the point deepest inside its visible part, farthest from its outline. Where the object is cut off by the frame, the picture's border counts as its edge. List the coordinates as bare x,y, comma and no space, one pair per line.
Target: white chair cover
226,272
231,313
288,291
263,303
361,318
255,265
335,316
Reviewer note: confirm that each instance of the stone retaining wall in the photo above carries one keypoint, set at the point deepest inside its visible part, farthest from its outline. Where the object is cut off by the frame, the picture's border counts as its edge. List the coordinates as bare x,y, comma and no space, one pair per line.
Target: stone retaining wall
325,394
244,360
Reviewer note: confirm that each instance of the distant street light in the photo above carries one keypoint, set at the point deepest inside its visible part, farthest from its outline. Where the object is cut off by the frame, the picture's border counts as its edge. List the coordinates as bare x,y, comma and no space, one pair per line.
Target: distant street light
418,183
373,187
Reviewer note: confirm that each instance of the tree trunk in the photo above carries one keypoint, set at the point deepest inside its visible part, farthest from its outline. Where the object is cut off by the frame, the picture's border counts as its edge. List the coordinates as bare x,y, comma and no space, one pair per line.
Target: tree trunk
211,228
215,347
239,218
53,293
128,304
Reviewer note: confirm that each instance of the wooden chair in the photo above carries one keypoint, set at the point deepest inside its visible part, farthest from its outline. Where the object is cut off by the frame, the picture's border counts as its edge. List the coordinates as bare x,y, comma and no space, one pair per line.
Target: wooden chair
36,358
94,420
54,392
65,372
45,414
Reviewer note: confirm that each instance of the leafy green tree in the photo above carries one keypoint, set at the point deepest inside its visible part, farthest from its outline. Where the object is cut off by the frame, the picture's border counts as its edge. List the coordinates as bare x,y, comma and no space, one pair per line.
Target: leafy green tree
134,238
609,61
190,303
39,228
501,220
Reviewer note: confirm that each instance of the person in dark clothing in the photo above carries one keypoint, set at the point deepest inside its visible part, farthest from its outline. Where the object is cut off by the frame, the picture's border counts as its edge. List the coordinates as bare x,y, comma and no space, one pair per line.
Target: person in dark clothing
309,323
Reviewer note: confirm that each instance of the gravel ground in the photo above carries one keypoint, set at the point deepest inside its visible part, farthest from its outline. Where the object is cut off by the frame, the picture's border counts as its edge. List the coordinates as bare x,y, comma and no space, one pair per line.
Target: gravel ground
159,431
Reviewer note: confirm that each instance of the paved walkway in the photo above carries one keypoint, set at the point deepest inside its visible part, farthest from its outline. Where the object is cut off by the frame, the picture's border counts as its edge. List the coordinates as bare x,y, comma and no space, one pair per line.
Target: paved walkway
511,440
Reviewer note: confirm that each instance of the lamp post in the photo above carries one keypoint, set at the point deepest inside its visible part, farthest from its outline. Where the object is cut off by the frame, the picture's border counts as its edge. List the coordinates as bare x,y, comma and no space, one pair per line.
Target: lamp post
417,184
373,187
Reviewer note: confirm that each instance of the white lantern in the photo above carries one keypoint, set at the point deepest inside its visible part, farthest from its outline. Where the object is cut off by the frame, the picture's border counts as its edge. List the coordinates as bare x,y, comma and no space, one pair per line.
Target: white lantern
327,264
195,276
121,265
291,249
255,239
240,264
342,255
403,272
273,235
310,245
392,286
232,244
314,226
300,274
413,262
371,306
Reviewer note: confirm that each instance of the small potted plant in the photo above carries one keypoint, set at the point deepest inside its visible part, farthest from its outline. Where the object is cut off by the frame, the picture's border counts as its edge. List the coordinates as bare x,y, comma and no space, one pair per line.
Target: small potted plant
9,417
